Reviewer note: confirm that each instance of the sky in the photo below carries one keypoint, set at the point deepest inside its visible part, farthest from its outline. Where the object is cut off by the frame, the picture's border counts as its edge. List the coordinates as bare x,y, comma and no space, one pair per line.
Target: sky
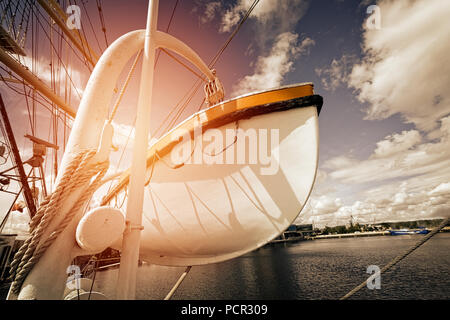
382,67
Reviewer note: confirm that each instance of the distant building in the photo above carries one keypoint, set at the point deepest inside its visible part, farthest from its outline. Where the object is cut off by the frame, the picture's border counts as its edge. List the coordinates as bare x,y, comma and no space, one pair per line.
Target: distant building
306,230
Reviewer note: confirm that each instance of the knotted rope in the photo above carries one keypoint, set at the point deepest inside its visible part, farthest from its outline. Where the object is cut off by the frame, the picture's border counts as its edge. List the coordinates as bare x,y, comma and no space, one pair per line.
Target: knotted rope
78,175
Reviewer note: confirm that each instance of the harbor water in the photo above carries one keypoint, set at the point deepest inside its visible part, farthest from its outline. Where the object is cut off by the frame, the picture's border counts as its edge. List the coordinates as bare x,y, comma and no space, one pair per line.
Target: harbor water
316,269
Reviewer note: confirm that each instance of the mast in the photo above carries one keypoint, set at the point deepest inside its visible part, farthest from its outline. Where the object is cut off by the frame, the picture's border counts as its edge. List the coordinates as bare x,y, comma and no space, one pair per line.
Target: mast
18,161
126,284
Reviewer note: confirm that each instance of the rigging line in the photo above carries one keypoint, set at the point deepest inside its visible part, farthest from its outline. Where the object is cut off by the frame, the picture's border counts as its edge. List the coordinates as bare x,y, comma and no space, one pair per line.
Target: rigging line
14,17
102,20
151,172
60,49
185,105
21,23
35,50
123,200
182,63
124,87
3,12
28,108
28,20
92,27
177,284
119,99
173,110
167,29
34,99
216,58
84,35
212,63
20,37
123,152
249,11
236,130
220,52
93,280
173,123
82,59
64,66
181,110
399,258
8,7
23,9
179,165
23,93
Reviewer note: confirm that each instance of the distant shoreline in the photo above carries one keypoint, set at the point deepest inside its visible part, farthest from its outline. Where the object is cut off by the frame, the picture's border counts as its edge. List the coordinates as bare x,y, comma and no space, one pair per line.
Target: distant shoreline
342,235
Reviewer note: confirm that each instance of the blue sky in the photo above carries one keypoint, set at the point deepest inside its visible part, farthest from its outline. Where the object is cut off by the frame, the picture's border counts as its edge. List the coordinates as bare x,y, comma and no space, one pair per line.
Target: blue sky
385,125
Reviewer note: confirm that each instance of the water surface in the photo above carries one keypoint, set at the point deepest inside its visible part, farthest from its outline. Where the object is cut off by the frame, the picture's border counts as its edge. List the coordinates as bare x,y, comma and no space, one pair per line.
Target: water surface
318,269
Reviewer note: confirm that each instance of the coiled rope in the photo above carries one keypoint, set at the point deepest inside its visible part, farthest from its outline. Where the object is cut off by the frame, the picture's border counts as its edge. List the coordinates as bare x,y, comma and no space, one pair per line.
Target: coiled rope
399,258
78,175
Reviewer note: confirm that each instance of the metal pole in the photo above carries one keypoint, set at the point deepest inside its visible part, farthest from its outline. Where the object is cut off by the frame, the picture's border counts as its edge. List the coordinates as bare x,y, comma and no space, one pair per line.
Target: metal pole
18,161
126,285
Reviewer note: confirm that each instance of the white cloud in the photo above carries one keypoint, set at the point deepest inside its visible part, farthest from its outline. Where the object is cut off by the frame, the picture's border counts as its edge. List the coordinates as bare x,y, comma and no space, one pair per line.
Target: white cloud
406,65
398,156
396,143
394,203
270,69
411,179
278,15
325,205
211,9
17,223
337,73
42,70
442,189
273,40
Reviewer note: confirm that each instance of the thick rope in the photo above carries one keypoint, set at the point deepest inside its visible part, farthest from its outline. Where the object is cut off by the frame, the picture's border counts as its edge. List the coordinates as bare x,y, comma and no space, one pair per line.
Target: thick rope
399,258
177,284
46,211
78,175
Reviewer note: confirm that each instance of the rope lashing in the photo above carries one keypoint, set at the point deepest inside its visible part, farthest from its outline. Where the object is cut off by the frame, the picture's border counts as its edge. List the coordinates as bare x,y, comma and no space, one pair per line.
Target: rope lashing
400,257
80,174
214,91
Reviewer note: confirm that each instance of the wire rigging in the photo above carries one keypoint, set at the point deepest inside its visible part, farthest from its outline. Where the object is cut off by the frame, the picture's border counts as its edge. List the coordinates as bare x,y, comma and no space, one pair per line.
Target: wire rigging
59,58
198,83
92,27
167,28
102,20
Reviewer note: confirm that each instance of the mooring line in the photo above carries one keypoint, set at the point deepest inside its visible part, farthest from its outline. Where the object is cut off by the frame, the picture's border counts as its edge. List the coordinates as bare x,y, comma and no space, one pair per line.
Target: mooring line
399,258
